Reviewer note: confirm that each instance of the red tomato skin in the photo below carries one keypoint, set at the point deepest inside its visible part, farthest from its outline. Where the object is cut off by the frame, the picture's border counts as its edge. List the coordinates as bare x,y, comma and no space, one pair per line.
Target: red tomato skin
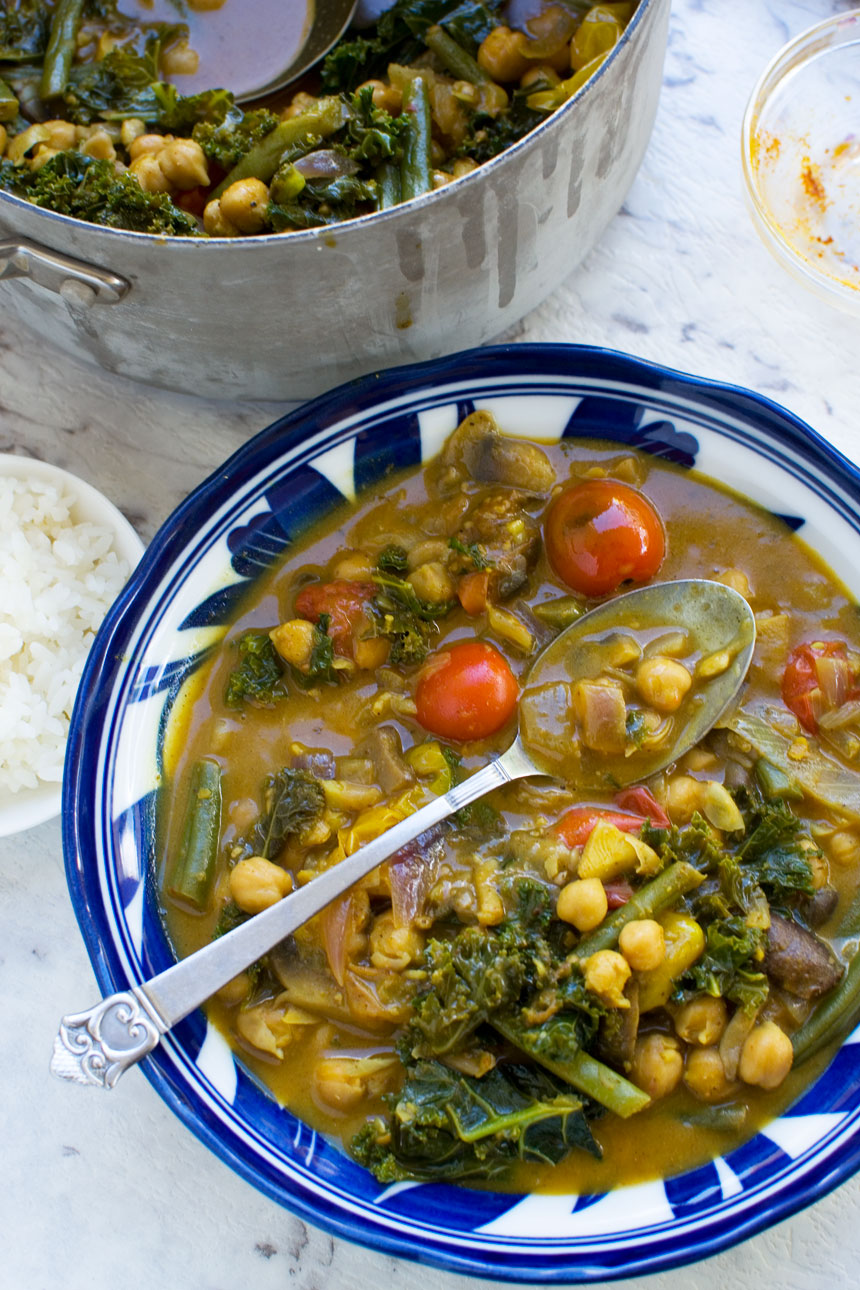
343,602
600,533
642,801
617,893
574,828
800,678
466,691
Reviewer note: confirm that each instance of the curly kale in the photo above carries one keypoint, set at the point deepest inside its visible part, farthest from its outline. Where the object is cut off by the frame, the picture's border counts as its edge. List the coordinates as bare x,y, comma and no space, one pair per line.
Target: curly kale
73,184
406,620
393,559
292,800
258,676
731,966
445,1126
24,28
228,140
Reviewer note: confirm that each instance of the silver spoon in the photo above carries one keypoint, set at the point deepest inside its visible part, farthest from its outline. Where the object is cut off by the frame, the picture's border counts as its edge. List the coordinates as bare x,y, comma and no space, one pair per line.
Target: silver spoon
96,1046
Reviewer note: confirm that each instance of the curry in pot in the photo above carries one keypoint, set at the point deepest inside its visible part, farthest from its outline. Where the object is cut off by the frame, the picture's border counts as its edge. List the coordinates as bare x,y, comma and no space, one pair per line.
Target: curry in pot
555,989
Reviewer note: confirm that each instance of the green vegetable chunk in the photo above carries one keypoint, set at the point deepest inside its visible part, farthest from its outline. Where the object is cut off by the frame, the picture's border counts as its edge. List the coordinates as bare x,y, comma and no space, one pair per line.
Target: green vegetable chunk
415,170
258,676
62,46
193,870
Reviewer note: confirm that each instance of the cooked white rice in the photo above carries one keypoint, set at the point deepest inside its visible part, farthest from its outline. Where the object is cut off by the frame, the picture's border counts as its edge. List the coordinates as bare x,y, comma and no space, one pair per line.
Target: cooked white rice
57,579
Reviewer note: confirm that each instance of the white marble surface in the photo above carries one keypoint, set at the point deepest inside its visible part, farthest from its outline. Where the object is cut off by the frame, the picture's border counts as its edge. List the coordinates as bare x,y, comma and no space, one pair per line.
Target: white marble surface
104,1190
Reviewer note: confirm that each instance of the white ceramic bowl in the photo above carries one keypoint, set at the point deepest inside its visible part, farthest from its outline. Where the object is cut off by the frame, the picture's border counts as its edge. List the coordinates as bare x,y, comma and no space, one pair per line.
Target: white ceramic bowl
27,807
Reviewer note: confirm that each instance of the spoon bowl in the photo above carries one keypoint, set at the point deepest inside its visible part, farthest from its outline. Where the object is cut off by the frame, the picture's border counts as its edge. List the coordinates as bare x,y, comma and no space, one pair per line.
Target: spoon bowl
718,631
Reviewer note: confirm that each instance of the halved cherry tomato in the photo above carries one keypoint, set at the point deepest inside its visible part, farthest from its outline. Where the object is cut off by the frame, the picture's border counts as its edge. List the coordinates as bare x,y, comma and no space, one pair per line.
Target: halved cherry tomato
472,592
642,801
466,691
576,825
343,602
601,533
802,688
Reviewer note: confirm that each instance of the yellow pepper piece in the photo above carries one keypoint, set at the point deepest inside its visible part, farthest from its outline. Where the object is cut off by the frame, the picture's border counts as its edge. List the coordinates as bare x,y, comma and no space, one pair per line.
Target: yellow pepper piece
685,943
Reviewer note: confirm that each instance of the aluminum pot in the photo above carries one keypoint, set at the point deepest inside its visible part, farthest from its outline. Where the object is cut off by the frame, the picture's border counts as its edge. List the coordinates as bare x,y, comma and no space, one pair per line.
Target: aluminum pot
286,317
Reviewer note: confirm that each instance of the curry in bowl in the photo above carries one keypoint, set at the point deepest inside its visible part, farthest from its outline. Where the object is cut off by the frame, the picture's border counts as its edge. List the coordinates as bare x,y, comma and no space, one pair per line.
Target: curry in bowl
95,123
560,989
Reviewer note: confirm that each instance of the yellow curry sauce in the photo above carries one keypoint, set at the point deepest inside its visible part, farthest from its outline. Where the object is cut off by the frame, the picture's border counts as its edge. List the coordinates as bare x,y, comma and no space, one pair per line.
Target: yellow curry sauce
353,981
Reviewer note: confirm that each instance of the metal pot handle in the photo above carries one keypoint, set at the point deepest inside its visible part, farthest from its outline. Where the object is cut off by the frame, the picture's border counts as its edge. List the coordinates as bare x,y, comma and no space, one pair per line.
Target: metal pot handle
77,282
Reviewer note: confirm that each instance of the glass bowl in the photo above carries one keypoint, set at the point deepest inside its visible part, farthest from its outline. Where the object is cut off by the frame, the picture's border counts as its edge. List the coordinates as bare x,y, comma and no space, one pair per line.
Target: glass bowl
801,158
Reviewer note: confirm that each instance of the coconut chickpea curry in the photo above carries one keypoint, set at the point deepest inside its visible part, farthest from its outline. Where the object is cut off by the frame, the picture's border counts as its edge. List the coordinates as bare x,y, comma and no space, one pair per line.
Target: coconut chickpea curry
94,121
554,988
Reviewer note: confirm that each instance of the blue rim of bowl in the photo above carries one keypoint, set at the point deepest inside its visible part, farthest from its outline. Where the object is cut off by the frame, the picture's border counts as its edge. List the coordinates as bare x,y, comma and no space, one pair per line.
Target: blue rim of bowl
550,1262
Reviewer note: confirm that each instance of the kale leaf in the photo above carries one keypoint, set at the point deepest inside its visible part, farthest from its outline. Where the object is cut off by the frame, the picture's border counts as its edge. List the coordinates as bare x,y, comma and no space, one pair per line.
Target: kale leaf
444,1125
731,966
392,559
259,675
228,140
24,27
292,800
73,184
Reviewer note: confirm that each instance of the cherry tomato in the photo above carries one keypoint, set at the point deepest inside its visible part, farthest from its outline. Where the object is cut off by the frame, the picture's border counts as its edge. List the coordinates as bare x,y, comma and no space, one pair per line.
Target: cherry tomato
343,602
575,827
466,691
601,533
801,683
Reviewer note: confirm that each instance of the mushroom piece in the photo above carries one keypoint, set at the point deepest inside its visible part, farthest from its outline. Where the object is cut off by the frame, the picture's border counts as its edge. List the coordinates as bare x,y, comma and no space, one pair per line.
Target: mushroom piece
491,457
799,961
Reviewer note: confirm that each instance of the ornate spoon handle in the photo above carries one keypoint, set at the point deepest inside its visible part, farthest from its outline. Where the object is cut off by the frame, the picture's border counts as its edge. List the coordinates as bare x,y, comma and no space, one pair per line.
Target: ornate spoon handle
96,1046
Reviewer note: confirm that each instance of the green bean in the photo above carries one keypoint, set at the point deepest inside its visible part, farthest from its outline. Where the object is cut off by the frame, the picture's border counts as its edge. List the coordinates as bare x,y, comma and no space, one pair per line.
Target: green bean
415,173
62,45
833,1017
194,867
774,782
388,178
322,118
660,892
458,62
721,1119
560,612
8,102
580,1070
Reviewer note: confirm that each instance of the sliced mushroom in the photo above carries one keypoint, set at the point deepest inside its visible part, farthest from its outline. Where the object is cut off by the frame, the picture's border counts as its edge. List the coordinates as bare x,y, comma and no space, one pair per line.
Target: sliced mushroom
799,961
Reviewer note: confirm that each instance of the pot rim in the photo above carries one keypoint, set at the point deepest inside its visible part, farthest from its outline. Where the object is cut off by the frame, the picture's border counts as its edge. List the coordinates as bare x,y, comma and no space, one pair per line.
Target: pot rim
302,236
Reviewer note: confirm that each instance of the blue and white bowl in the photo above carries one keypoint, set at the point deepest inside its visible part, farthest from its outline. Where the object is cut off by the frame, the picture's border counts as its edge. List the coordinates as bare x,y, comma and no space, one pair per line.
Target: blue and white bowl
177,605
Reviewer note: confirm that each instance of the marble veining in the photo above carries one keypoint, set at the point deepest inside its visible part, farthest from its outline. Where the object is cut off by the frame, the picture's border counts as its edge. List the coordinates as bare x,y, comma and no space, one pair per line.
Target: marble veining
106,1188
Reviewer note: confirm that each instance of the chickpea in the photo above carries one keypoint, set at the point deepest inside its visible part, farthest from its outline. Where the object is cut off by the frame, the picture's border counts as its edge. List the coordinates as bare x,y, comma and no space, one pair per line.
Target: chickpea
501,54
394,947
149,174
214,222
62,134
42,154
658,1064
337,1083
298,104
662,683
244,204
766,1056
100,146
387,97
256,883
180,60
490,907
583,904
353,566
433,583
132,128
643,944
463,166
370,653
147,143
466,92
235,990
683,797
705,1075
184,163
843,847
606,974
702,1020
433,549
295,639
441,178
